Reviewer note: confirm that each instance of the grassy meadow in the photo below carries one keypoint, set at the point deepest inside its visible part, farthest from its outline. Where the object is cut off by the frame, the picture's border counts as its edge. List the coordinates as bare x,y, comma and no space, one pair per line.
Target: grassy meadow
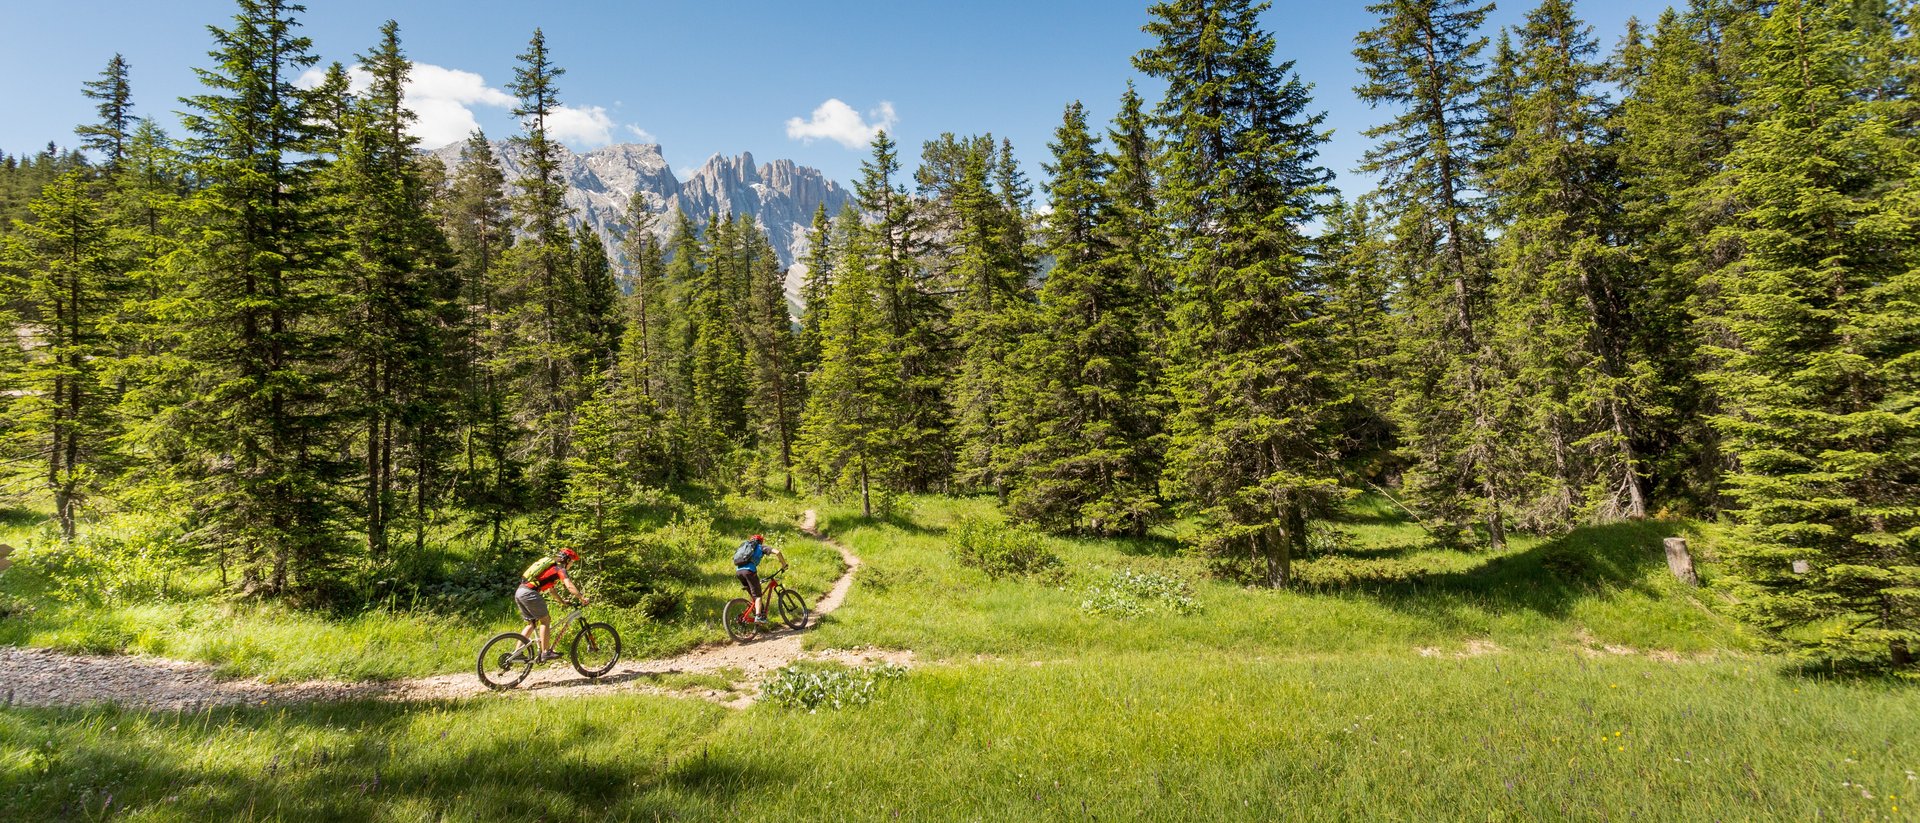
1569,678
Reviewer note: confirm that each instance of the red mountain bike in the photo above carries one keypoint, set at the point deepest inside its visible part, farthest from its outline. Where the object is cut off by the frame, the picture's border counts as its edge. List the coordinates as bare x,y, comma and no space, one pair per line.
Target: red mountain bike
740,621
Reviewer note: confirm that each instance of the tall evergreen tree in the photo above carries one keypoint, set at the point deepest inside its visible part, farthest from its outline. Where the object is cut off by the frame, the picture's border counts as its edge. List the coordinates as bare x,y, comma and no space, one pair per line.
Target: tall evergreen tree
989,276
479,227
814,290
1423,60
1679,118
1087,462
398,290
1822,405
1563,311
543,355
1251,442
774,404
113,96
914,316
60,427
258,421
851,436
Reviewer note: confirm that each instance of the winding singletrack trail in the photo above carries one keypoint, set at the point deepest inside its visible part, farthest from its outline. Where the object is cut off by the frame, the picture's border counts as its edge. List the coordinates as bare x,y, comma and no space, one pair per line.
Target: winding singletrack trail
37,677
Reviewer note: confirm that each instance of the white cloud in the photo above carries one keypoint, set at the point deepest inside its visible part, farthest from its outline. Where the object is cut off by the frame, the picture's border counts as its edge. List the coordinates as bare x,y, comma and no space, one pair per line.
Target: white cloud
835,120
641,134
588,126
445,100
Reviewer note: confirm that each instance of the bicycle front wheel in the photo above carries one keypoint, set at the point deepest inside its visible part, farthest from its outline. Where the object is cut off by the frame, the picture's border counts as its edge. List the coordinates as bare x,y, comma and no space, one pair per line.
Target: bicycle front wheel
505,660
793,609
734,617
595,649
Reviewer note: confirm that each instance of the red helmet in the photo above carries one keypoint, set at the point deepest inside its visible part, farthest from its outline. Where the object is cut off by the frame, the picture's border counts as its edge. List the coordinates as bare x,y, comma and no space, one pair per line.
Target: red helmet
758,538
569,555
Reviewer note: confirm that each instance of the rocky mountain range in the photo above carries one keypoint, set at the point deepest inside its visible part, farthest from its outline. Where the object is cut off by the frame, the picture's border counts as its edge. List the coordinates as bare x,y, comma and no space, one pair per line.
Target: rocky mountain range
780,195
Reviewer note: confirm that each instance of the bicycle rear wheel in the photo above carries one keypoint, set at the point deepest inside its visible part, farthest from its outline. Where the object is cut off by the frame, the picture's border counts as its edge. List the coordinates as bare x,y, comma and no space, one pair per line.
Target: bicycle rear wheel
595,649
793,609
505,660
734,617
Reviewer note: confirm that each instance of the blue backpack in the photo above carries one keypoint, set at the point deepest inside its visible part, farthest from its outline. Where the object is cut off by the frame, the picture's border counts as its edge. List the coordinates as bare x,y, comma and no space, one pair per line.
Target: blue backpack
746,555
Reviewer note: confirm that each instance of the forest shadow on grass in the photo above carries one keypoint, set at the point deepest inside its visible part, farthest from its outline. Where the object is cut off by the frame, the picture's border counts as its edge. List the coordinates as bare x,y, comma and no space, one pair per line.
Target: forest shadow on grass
349,761
12,518
1547,578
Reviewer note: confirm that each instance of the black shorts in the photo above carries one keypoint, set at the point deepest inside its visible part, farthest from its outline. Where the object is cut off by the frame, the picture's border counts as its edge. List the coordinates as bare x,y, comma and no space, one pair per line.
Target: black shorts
533,605
750,579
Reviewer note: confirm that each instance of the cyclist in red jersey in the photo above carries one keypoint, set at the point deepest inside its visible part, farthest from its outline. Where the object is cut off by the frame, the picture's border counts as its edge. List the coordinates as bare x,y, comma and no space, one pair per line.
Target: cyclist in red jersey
531,599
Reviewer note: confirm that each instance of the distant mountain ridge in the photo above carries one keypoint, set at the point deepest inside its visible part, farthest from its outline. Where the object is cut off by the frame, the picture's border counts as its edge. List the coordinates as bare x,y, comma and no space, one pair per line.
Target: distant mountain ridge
780,195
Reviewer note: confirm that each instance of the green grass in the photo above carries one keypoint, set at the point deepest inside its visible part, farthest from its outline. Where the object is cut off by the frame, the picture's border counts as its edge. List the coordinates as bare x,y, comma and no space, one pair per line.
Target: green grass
1156,736
1400,682
1600,585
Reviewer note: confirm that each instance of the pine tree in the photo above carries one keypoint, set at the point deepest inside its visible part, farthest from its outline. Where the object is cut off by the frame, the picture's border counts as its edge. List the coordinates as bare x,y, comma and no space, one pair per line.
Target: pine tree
258,422
1562,308
60,424
850,436
1089,428
1251,443
1423,60
1822,407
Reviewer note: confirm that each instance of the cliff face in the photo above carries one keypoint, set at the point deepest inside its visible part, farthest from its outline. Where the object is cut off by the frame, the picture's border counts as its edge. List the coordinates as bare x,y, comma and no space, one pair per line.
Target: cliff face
779,195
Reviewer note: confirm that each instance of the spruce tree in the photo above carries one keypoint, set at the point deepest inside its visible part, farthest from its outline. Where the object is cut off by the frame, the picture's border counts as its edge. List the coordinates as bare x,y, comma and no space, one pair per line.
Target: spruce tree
114,101
400,280
774,404
60,428
1563,309
1819,391
479,227
1087,422
1422,60
850,437
1679,118
1251,446
991,304
914,315
543,356
258,419
813,292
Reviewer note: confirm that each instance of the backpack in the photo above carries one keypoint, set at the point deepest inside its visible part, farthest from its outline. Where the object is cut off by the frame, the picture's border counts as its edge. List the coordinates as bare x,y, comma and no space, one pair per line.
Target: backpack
746,554
539,567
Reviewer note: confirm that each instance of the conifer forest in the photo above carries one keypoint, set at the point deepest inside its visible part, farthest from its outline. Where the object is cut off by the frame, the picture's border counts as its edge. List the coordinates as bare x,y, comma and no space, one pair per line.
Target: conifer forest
1595,282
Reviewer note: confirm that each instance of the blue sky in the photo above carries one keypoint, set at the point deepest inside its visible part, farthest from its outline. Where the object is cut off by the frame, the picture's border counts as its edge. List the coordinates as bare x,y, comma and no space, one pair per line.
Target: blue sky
710,77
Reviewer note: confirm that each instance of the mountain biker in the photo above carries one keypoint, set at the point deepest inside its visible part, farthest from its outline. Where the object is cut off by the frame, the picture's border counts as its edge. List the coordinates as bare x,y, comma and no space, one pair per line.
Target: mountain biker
530,597
746,566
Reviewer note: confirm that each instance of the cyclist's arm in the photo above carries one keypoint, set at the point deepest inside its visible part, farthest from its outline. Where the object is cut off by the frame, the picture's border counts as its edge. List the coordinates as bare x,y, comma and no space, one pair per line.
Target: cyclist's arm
568,579
776,553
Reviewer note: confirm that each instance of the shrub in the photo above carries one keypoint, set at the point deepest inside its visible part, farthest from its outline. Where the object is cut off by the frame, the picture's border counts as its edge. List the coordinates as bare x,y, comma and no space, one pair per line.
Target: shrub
650,569
816,687
139,562
1001,550
1130,593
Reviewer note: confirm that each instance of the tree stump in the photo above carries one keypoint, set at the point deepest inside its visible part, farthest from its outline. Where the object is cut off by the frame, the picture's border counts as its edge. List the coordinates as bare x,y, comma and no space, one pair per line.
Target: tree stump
1680,562
4,551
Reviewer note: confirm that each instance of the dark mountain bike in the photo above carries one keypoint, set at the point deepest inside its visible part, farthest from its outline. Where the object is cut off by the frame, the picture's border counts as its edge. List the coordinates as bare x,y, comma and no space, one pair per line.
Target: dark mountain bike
508,657
741,623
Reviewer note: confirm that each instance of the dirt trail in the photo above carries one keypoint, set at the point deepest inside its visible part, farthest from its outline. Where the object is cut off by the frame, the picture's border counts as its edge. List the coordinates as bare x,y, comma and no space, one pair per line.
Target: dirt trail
36,677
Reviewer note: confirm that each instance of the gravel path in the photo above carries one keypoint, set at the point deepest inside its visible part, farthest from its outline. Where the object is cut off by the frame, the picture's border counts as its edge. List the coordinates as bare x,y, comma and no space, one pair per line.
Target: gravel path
37,677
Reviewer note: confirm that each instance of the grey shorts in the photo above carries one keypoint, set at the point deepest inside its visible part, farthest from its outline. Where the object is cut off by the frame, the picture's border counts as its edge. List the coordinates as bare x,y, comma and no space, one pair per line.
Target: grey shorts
533,605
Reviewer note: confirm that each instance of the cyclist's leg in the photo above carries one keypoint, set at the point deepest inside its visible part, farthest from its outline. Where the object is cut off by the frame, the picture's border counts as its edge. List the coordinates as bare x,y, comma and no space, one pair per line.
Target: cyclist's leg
751,580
